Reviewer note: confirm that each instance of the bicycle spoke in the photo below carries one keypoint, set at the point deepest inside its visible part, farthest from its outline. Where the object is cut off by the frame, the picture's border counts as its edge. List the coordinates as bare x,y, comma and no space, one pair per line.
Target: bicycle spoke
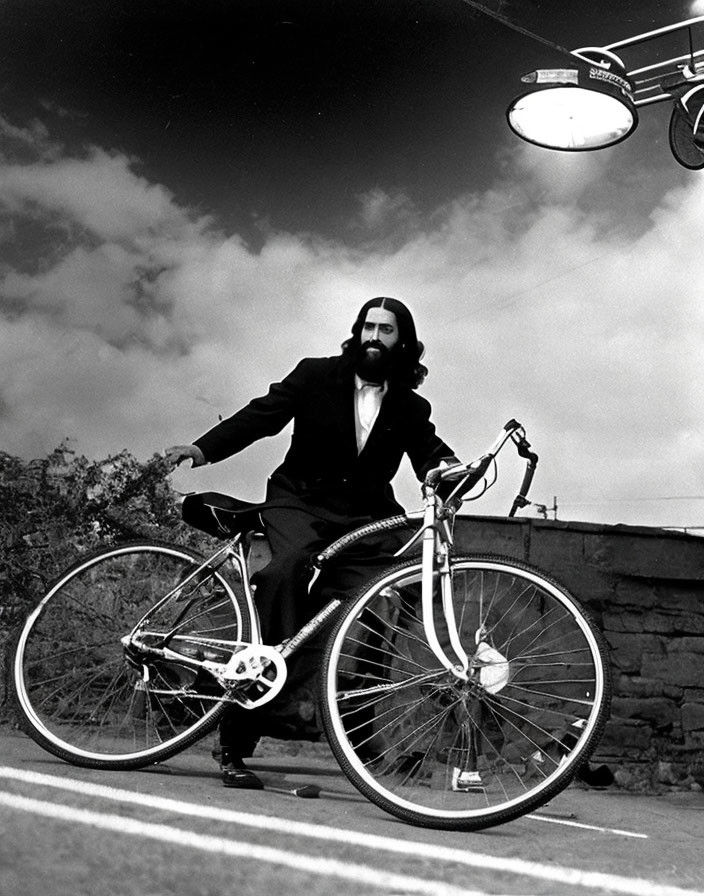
83,699
436,749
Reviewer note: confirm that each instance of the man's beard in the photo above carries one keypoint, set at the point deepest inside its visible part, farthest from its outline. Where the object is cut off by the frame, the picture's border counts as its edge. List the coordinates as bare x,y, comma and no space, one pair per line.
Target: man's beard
374,361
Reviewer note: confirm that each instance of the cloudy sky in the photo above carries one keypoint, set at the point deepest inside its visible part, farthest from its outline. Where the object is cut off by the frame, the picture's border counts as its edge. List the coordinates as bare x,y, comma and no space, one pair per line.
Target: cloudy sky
196,193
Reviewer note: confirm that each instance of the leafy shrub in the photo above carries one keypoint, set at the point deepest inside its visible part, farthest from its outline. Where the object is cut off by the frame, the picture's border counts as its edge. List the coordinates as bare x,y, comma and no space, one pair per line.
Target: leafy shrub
54,508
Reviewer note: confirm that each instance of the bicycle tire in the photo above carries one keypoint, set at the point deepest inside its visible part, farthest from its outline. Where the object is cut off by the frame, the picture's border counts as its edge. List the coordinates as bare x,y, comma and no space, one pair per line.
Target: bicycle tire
436,751
82,700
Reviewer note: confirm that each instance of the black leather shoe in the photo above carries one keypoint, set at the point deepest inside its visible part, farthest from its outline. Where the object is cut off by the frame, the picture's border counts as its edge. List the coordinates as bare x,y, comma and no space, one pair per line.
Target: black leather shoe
241,778
236,774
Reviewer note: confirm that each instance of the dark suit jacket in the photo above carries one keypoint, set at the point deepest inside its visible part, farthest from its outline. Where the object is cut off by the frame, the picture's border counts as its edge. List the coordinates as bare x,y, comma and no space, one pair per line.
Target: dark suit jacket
322,465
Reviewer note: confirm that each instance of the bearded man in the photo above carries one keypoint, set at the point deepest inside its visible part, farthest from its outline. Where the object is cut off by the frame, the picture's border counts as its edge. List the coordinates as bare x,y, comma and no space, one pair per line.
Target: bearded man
354,417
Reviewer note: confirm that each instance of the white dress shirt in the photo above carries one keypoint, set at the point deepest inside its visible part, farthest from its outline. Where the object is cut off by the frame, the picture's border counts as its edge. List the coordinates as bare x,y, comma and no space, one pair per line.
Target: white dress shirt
367,403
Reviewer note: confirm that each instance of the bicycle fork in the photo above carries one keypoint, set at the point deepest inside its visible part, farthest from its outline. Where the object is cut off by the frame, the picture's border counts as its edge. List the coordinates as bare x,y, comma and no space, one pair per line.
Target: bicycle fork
487,667
436,558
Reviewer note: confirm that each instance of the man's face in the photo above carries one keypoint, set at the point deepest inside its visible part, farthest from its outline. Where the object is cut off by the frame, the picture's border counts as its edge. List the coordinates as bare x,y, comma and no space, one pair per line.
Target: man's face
380,326
378,339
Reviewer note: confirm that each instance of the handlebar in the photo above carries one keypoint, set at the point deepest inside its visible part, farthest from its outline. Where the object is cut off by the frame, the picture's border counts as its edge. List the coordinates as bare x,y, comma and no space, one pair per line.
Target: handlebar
531,458
472,473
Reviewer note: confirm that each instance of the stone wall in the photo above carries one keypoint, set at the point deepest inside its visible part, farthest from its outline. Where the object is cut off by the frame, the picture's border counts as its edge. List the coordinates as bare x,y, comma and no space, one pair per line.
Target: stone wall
645,589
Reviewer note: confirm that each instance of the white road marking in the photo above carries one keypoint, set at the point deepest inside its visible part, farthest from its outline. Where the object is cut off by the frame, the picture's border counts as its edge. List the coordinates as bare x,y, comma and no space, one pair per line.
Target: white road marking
360,874
522,867
588,827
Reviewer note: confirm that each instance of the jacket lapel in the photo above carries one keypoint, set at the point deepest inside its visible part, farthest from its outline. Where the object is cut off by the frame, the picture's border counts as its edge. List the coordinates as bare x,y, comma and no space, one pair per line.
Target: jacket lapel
343,405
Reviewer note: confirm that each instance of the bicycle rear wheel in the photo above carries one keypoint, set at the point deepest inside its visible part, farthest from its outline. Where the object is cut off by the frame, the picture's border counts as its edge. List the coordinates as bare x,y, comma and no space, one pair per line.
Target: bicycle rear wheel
437,751
91,701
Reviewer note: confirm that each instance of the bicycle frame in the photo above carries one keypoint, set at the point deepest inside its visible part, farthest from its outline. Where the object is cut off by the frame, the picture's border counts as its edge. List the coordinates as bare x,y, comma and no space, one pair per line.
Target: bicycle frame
436,536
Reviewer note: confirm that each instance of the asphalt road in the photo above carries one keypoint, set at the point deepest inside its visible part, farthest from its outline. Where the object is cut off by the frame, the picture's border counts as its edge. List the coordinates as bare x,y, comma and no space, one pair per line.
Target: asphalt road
173,830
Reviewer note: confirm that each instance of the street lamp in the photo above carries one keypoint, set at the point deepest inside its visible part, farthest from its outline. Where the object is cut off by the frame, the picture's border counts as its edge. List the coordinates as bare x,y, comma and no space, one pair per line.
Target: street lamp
593,101
588,105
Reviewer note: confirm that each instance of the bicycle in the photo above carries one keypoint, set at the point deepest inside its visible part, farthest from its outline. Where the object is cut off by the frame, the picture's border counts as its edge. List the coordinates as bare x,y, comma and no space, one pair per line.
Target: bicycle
457,691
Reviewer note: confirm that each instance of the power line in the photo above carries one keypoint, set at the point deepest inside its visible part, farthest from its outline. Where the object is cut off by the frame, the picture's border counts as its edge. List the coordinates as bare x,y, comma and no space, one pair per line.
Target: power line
514,27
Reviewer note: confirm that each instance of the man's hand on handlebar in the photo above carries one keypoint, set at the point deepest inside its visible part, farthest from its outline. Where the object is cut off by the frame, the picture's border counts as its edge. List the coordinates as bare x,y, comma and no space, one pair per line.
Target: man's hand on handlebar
179,453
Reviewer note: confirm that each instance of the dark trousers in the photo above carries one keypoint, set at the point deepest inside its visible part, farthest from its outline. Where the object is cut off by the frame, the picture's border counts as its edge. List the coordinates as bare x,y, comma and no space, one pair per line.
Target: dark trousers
285,604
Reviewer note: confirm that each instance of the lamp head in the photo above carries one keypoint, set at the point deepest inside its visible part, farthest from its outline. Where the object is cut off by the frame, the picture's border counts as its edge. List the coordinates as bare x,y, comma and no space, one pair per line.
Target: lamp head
586,106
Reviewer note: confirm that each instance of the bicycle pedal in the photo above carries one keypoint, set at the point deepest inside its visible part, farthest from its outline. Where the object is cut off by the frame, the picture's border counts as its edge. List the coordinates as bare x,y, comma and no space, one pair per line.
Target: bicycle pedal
466,781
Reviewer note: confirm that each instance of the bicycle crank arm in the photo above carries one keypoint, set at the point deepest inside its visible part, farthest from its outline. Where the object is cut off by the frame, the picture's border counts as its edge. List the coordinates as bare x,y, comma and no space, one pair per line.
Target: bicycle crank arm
253,676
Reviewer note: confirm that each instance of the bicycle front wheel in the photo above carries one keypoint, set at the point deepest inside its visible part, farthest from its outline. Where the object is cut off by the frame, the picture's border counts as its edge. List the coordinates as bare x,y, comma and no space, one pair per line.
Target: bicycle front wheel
92,700
439,751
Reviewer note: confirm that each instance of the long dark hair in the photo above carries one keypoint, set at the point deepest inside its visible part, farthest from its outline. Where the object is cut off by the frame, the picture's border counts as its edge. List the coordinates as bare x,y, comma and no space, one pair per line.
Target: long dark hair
407,368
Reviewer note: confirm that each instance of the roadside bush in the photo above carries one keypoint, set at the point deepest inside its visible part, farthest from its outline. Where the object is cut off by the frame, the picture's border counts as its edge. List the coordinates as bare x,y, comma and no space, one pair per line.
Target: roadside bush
54,508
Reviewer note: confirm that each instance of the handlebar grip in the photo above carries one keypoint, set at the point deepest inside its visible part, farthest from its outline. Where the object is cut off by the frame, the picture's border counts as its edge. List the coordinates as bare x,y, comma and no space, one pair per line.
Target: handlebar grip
520,499
527,479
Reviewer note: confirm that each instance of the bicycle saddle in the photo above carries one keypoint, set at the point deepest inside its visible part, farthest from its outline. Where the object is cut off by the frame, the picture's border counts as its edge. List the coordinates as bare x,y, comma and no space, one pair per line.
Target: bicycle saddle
224,516
221,515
